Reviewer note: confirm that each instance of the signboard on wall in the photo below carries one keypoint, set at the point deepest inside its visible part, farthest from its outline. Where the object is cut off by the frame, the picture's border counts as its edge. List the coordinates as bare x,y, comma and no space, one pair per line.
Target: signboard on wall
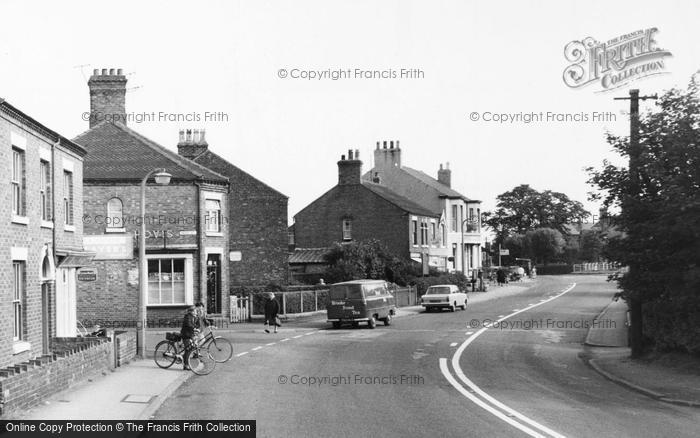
87,274
110,246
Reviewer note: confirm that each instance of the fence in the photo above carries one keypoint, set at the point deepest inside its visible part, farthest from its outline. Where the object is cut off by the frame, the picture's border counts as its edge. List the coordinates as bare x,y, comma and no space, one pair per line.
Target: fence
596,267
301,301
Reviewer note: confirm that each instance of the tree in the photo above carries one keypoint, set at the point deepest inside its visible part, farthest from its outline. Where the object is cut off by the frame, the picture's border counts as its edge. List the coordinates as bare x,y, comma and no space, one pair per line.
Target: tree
525,209
544,245
660,220
368,259
591,246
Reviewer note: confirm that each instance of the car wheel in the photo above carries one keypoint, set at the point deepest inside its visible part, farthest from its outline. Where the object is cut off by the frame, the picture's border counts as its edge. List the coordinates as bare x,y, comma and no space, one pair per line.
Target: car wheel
453,306
387,320
336,324
372,323
355,324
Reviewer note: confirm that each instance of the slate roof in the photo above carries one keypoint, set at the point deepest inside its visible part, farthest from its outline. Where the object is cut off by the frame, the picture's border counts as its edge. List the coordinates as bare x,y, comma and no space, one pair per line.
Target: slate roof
308,255
437,185
116,152
398,200
31,122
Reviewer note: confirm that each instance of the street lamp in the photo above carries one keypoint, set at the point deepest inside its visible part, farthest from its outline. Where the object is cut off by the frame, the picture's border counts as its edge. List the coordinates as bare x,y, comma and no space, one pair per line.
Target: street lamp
162,178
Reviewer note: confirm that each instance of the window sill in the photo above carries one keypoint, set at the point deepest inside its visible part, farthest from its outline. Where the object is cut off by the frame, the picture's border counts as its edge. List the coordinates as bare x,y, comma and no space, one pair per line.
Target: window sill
115,230
214,233
20,347
46,224
169,305
22,220
69,228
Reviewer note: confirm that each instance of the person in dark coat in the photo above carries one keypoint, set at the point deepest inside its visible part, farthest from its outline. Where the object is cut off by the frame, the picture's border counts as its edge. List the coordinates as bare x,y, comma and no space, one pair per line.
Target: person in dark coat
272,308
187,332
501,276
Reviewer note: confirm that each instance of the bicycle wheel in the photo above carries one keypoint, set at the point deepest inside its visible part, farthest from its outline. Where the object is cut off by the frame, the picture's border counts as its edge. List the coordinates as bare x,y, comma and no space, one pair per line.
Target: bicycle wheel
220,349
200,362
165,354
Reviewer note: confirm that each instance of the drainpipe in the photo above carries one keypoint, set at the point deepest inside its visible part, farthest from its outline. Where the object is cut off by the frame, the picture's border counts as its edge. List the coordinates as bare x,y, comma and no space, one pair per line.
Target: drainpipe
200,239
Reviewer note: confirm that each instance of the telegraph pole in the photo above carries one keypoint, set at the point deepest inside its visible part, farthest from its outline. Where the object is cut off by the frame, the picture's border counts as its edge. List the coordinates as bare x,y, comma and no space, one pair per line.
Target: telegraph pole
630,204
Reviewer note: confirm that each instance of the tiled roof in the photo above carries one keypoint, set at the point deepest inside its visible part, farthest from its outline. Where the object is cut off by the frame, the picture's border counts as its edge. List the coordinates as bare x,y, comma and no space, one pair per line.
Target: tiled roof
398,200
116,152
432,182
308,255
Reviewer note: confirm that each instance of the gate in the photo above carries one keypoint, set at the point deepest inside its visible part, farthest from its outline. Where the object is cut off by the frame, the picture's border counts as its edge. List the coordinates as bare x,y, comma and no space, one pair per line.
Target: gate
240,309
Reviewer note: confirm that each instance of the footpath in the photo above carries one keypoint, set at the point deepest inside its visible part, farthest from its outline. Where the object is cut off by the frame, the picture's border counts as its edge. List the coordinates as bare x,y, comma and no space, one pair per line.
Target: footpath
136,390
674,379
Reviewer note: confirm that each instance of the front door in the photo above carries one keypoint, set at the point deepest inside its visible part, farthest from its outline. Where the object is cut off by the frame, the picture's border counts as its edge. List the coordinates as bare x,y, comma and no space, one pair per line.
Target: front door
45,293
214,283
66,320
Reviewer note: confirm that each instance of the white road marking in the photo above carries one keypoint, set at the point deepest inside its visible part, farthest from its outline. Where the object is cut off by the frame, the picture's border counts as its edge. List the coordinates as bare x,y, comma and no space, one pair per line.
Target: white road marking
484,395
284,340
515,310
241,354
469,333
297,337
271,343
501,316
454,344
446,372
257,348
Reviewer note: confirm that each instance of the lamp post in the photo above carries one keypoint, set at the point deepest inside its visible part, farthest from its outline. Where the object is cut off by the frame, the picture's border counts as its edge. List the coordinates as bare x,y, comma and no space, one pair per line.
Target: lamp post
162,178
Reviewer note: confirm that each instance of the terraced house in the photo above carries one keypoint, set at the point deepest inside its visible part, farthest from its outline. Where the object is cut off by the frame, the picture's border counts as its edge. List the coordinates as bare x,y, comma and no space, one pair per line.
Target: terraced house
41,236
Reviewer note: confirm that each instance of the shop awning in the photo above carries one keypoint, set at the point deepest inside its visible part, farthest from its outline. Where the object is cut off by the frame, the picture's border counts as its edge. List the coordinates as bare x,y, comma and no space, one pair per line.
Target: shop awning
74,259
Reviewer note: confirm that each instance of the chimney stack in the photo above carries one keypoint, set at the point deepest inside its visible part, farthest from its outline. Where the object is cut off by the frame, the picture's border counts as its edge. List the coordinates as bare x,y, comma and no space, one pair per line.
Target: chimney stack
350,170
192,143
445,175
387,157
107,96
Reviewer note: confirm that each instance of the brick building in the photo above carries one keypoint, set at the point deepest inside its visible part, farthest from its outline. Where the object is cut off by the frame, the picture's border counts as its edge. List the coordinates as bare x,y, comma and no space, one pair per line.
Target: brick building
41,237
356,210
186,229
257,218
460,216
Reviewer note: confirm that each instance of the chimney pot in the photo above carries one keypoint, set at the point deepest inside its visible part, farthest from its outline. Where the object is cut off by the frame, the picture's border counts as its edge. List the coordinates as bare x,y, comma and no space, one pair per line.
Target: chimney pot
377,145
189,136
195,136
201,136
120,71
342,158
397,144
350,154
391,143
96,71
104,72
111,72
385,144
182,136
440,166
447,165
357,154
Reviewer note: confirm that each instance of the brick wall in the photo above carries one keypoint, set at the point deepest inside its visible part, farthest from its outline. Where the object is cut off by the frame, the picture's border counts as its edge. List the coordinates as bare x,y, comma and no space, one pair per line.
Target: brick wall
320,223
257,217
28,383
173,225
32,236
125,347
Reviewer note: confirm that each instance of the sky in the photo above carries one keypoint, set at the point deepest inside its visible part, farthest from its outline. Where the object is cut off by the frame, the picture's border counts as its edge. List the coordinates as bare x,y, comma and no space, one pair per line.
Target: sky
227,58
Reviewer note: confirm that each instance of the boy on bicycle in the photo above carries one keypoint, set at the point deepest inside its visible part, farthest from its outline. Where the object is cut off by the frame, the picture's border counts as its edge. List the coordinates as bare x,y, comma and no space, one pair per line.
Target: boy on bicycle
188,332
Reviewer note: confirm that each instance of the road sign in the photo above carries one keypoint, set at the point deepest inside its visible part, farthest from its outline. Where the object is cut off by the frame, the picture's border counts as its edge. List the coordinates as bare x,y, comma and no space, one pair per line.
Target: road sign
87,274
504,252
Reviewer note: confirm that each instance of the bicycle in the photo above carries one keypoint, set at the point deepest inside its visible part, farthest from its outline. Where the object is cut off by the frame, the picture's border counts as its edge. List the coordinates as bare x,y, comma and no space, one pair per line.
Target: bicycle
219,348
172,350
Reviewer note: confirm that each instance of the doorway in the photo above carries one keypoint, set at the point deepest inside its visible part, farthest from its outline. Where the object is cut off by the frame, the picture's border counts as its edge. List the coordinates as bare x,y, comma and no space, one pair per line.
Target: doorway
214,283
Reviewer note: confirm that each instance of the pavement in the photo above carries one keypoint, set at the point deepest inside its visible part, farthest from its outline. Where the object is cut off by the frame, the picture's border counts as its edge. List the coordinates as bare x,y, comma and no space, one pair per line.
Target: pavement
673,380
138,389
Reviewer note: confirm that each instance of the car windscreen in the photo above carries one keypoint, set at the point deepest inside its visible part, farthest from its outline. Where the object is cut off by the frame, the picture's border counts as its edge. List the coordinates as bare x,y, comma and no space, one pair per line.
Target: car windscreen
346,291
438,290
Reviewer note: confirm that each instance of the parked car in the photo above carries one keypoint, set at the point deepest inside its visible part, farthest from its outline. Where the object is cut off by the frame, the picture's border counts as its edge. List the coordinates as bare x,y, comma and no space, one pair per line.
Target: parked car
360,301
444,296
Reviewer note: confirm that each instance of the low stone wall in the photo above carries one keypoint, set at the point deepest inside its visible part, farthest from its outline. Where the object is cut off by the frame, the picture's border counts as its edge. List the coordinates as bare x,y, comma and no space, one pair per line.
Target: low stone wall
73,360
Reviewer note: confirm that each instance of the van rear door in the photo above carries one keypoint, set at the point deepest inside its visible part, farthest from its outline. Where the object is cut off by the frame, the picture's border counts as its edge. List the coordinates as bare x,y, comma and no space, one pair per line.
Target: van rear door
346,302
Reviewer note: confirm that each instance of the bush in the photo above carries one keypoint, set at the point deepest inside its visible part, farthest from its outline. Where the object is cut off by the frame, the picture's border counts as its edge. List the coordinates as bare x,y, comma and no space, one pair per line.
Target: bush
457,278
559,269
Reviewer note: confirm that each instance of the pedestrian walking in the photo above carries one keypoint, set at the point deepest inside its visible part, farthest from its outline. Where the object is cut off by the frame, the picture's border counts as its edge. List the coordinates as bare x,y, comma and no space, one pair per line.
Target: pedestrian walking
188,332
272,308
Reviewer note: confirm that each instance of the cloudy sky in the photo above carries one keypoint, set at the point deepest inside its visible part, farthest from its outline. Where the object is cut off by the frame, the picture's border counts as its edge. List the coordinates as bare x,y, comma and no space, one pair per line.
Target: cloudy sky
223,56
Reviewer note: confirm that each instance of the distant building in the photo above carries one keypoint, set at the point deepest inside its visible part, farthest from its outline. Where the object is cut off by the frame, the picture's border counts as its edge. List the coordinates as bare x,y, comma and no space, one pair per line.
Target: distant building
356,210
187,245
459,223
257,219
41,237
